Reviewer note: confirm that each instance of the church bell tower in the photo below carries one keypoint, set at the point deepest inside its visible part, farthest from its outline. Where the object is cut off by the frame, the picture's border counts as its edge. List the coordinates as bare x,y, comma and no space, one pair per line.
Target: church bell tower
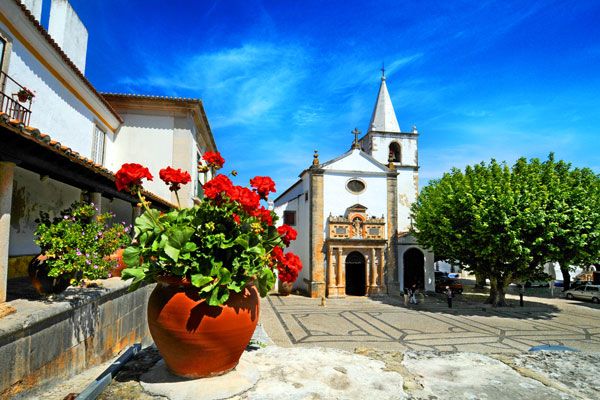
386,143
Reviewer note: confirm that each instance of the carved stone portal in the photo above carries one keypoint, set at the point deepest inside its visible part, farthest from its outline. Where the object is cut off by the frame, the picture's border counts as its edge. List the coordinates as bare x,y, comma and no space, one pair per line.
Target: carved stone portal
361,237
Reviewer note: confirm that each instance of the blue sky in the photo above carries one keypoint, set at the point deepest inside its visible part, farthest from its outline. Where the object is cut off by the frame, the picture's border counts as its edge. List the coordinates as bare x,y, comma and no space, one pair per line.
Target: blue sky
479,79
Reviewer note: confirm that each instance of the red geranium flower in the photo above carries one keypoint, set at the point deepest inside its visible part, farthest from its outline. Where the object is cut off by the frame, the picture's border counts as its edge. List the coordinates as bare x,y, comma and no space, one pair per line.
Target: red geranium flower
214,159
287,234
289,267
248,199
277,254
174,177
276,257
236,218
234,192
264,215
130,176
263,185
219,184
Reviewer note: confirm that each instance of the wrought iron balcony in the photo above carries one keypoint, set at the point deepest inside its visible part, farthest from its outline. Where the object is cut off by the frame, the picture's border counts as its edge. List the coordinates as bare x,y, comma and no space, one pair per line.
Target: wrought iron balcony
15,99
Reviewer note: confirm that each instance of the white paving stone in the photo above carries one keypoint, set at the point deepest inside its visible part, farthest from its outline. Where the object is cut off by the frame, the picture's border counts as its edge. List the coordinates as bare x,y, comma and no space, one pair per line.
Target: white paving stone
159,381
473,376
318,373
284,373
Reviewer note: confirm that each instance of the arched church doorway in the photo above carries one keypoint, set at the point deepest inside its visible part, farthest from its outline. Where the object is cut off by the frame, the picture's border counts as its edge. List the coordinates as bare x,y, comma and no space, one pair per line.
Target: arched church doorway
414,268
356,280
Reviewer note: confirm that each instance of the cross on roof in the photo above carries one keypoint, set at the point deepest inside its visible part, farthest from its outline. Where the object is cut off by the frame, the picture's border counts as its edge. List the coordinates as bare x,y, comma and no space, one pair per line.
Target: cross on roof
356,132
383,70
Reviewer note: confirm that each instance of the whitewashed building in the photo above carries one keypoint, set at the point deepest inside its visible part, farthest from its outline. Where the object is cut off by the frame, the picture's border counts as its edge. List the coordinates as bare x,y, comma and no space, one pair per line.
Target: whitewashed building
66,143
160,131
352,214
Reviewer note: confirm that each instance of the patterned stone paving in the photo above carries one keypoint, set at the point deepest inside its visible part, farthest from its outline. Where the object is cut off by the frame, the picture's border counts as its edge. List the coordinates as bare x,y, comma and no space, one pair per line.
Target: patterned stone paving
387,324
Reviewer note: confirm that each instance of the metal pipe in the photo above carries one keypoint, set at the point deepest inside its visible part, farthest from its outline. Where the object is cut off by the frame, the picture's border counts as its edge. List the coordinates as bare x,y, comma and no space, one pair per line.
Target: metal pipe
93,390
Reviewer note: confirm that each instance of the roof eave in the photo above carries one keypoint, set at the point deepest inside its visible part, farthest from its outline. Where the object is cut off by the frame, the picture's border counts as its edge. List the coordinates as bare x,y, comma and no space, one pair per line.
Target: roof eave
126,102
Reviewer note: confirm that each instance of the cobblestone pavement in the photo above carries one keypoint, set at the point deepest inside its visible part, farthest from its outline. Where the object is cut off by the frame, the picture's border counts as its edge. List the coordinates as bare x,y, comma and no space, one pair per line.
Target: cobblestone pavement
435,352
387,324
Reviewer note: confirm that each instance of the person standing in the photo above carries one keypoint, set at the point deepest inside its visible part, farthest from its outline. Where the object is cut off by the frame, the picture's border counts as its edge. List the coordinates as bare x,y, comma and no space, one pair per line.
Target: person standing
449,296
406,295
413,294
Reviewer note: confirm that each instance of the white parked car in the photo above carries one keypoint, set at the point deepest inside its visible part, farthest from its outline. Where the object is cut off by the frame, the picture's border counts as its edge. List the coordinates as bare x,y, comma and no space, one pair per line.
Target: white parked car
586,292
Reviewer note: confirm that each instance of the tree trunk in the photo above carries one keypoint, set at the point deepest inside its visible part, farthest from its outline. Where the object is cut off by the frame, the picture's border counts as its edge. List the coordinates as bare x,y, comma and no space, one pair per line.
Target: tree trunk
497,292
566,277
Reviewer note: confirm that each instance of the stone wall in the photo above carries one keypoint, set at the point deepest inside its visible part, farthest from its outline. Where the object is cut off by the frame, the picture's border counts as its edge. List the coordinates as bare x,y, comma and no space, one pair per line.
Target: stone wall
54,339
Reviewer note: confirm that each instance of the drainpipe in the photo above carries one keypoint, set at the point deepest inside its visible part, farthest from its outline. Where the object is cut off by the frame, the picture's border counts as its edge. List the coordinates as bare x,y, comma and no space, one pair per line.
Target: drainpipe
93,390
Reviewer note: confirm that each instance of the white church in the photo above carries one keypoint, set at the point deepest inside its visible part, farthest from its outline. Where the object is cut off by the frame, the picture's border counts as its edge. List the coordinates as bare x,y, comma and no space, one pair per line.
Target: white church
352,214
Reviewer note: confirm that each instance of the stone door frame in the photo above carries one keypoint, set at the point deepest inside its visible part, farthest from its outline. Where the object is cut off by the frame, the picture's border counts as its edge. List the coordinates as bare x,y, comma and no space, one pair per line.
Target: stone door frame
335,259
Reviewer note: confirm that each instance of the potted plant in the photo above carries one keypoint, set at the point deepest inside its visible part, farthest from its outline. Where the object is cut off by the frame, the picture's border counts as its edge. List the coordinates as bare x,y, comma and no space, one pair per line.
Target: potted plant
74,247
211,262
25,94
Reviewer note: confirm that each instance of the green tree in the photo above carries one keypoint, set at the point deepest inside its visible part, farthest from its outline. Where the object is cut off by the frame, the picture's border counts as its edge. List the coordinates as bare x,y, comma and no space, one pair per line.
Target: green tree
574,214
501,222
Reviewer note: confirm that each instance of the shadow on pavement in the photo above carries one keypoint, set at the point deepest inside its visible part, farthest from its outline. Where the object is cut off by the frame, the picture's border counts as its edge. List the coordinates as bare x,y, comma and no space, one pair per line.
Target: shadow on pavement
138,365
473,304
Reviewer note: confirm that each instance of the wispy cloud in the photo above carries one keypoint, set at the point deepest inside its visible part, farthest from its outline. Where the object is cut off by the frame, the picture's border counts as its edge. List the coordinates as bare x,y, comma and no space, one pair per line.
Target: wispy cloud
291,82
345,73
243,84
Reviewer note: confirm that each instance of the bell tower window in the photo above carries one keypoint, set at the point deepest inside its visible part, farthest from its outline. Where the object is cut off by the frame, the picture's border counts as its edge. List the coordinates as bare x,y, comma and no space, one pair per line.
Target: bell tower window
395,152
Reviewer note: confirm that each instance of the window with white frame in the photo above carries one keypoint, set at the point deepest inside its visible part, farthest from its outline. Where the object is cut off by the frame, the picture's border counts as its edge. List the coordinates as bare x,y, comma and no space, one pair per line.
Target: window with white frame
98,145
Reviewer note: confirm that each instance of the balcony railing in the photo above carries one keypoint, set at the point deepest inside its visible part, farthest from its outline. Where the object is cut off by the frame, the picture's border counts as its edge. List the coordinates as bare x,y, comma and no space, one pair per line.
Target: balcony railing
12,99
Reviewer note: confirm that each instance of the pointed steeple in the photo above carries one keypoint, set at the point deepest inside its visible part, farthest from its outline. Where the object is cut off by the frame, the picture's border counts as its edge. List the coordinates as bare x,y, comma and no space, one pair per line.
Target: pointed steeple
384,117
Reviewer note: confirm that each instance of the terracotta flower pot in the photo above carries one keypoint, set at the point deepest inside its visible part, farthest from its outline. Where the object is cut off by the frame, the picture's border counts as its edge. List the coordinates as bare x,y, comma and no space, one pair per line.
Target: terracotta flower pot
120,266
197,340
44,284
285,288
23,96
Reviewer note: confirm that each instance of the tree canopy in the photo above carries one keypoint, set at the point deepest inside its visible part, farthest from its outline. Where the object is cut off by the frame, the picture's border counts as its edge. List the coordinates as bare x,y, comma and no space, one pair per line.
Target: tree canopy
506,222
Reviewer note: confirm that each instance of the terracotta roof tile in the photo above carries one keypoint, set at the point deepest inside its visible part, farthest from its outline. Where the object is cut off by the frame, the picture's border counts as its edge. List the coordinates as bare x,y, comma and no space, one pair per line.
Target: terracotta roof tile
34,134
151,97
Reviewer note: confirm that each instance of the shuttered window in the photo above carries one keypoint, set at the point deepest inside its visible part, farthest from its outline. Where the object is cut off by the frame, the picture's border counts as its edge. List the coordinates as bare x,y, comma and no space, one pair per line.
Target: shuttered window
98,145
289,218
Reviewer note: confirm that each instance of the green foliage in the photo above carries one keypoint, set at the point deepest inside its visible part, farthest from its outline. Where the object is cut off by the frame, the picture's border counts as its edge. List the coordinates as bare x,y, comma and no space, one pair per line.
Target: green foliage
78,242
505,223
206,246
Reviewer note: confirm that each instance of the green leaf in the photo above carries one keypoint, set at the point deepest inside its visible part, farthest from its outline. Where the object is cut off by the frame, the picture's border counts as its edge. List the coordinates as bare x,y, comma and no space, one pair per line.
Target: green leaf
172,252
135,273
224,276
179,236
265,282
258,250
200,280
131,256
217,298
190,247
236,286
243,241
138,275
145,222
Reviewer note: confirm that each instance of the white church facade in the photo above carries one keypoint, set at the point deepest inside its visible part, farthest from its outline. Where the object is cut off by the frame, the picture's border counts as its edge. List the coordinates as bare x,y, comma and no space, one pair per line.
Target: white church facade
352,214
